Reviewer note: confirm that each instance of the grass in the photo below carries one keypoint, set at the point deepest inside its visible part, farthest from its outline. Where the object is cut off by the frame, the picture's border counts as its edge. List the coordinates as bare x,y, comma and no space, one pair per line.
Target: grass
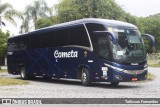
4,81
3,71
154,65
151,76
12,81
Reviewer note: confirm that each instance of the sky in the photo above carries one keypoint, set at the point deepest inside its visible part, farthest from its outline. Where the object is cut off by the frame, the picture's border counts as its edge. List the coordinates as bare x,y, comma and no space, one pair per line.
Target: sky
140,8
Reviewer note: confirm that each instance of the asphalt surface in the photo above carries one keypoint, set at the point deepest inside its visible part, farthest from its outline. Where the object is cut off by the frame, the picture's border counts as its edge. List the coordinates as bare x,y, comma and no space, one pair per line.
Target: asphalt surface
41,88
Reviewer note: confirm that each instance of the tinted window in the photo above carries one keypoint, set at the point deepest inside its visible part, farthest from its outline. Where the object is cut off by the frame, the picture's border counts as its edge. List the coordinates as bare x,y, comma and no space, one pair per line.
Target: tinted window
9,46
34,41
61,37
73,35
78,36
22,43
48,39
94,27
13,45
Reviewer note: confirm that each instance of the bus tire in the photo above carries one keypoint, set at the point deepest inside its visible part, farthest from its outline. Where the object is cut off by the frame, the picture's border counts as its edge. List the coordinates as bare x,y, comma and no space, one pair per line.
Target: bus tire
114,83
24,74
85,77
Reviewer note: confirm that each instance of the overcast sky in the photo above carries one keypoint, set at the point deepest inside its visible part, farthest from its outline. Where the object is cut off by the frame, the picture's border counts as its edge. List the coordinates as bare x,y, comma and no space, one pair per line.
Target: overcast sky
140,8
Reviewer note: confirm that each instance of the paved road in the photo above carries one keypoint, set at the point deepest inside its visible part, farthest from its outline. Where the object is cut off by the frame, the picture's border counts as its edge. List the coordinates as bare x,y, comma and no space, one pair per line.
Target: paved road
73,89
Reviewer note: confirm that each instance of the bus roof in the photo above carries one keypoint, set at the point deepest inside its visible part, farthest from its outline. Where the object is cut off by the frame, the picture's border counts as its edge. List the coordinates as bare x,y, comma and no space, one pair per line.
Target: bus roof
107,22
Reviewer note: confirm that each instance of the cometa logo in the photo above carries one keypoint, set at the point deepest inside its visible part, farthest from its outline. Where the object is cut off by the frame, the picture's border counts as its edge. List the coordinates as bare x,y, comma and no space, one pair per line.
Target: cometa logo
70,54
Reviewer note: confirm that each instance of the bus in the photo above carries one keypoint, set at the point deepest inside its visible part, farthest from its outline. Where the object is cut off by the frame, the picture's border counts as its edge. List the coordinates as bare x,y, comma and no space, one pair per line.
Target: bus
91,50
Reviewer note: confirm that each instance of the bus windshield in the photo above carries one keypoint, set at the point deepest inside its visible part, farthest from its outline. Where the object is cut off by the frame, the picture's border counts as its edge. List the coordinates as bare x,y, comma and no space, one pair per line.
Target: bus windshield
130,46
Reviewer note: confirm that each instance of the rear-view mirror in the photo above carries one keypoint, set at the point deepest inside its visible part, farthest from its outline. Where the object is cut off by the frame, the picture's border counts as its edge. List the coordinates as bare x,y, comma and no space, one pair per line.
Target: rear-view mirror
151,38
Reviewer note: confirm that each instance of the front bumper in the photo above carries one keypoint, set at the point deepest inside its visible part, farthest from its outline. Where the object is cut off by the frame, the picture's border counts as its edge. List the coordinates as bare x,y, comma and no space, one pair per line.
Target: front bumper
126,77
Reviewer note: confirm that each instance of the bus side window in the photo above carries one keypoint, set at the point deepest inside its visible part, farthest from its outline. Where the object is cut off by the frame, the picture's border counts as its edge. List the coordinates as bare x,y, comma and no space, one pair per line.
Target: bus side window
15,46
78,36
21,45
9,47
47,40
61,37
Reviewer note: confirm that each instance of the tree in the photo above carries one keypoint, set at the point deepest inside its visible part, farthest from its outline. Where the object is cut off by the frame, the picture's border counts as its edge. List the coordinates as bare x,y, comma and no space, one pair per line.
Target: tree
68,10
34,12
150,25
45,22
8,13
25,24
3,44
129,18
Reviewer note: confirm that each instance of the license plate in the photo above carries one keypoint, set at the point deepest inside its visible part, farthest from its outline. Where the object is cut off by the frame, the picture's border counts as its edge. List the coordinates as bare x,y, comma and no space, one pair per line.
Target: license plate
134,79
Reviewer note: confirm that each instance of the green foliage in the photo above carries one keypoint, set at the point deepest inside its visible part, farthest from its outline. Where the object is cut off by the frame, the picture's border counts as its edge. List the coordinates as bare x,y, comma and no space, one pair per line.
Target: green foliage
69,10
38,9
45,22
129,18
3,44
150,25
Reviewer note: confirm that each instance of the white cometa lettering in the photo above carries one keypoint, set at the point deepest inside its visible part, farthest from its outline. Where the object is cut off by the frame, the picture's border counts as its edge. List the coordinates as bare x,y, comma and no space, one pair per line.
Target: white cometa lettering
70,54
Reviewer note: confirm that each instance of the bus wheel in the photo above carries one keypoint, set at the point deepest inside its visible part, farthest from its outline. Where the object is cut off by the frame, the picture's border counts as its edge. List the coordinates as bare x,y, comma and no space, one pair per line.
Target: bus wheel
114,83
85,77
23,74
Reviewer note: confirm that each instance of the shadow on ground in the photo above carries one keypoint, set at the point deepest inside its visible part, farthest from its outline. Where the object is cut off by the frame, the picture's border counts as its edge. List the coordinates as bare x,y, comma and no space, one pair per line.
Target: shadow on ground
78,82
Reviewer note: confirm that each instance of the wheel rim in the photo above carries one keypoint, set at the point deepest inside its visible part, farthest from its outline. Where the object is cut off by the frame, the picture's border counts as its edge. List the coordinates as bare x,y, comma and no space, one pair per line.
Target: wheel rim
84,77
22,74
